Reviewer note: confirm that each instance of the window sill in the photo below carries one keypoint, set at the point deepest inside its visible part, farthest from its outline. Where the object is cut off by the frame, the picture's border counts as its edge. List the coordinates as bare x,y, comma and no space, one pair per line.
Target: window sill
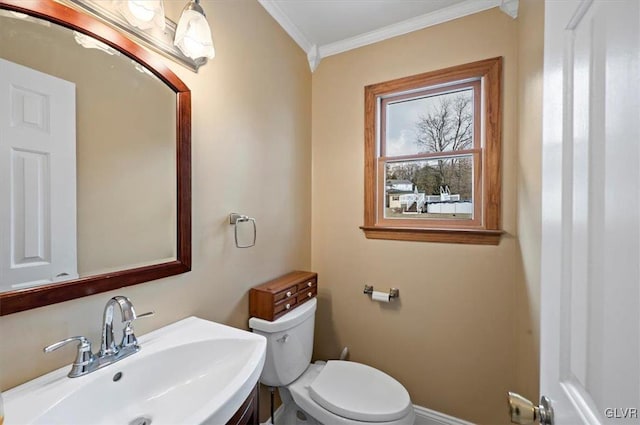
464,236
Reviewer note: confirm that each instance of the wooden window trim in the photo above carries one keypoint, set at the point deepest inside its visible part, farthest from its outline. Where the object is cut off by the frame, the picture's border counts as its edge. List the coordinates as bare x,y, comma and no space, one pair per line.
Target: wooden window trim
487,231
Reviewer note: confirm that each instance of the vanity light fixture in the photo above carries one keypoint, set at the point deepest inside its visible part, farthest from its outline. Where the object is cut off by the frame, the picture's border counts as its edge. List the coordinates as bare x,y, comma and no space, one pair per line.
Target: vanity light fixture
119,13
143,14
193,35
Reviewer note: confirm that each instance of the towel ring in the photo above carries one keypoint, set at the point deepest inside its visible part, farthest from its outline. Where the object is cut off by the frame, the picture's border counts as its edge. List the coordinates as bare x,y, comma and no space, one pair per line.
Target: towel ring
234,219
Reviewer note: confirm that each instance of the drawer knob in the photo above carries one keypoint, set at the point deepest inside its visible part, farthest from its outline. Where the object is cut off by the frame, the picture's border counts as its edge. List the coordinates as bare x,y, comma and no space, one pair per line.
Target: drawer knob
310,294
287,307
288,294
309,284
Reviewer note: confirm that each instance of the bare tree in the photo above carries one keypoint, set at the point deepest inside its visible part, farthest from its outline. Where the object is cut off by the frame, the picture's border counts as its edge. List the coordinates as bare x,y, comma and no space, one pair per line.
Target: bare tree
402,171
448,127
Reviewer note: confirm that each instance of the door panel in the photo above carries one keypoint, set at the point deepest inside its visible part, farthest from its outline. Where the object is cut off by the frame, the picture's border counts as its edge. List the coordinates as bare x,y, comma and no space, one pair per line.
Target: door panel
29,177
590,321
37,178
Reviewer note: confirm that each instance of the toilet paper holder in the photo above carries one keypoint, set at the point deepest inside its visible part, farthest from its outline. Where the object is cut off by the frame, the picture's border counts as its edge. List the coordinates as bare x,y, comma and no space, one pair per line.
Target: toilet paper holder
393,292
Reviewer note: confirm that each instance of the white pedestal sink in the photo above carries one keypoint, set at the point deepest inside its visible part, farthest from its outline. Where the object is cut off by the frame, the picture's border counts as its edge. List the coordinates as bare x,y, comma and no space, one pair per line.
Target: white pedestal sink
190,372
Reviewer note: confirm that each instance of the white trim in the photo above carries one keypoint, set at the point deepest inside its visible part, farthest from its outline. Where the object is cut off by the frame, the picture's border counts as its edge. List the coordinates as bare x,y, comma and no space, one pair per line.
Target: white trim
510,7
314,58
316,53
277,414
424,416
456,11
292,29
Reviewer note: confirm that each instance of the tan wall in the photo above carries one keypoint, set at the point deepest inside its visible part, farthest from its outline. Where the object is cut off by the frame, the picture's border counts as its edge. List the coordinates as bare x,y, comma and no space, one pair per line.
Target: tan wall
454,338
251,154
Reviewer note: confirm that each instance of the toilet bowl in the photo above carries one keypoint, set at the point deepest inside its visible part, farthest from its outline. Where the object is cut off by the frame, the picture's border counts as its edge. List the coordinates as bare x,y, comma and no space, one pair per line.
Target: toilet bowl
333,392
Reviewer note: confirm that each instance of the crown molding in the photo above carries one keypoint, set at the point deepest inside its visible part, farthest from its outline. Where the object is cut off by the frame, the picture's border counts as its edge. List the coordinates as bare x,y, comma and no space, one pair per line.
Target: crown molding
314,58
316,53
292,29
510,7
459,10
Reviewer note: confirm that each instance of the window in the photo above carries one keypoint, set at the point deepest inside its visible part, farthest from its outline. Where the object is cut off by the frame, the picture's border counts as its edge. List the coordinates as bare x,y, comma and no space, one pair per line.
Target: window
432,156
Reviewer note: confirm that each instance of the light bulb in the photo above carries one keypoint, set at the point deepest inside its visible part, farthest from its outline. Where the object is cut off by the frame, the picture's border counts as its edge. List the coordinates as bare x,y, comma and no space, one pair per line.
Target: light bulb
193,35
141,10
143,14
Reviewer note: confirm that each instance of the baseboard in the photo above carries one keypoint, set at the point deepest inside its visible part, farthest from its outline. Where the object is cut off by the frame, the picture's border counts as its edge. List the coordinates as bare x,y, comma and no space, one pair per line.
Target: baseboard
277,416
424,416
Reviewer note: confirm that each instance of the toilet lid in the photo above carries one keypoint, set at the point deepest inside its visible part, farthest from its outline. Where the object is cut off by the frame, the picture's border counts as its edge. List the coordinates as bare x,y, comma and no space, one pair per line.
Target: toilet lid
360,392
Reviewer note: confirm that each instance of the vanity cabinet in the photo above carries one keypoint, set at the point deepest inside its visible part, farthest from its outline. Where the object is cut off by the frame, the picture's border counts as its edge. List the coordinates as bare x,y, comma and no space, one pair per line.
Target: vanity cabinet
248,413
272,299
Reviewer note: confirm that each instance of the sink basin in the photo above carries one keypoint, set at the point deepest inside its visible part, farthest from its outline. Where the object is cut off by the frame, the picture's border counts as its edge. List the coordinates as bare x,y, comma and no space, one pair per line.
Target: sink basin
190,372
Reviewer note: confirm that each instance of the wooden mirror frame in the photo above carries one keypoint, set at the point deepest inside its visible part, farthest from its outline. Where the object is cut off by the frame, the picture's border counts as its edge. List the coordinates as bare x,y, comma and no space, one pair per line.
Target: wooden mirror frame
25,299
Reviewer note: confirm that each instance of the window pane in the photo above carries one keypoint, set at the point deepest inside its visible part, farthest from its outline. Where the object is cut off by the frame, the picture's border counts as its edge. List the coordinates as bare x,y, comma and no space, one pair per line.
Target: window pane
433,189
438,123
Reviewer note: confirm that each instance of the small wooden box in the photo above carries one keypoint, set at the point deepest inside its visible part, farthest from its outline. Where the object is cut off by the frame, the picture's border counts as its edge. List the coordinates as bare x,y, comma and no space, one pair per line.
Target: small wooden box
272,299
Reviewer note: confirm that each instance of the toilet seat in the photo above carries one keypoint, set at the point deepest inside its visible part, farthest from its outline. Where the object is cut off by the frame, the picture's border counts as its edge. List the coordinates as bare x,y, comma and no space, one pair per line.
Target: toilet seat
360,392
300,391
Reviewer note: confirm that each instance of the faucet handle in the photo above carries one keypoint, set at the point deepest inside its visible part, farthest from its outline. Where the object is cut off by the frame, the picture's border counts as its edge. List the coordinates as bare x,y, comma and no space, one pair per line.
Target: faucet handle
143,315
85,344
128,337
84,356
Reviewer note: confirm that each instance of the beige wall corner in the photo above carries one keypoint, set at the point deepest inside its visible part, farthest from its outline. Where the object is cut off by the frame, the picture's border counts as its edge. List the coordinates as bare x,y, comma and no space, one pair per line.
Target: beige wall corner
527,296
453,336
251,154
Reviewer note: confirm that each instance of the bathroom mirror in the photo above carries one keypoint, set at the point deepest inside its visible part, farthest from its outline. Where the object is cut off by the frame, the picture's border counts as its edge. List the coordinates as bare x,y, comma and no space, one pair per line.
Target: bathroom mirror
95,144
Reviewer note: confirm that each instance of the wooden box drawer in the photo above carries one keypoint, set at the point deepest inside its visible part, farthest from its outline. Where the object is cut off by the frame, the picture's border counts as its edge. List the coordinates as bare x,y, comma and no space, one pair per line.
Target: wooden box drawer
269,301
311,283
287,293
306,295
284,305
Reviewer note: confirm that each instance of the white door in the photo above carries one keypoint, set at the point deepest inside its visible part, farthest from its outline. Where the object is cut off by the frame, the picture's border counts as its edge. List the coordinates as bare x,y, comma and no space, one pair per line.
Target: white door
37,178
590,320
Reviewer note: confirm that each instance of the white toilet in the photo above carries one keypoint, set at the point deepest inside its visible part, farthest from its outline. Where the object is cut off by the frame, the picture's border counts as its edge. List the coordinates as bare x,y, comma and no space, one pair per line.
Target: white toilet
336,392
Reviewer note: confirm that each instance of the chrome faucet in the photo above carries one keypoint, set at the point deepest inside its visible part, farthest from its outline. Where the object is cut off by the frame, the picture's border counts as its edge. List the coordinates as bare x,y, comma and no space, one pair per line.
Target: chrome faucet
108,346
87,362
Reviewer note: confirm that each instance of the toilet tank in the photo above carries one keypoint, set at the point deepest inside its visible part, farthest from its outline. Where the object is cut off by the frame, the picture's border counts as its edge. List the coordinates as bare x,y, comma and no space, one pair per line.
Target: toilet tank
289,344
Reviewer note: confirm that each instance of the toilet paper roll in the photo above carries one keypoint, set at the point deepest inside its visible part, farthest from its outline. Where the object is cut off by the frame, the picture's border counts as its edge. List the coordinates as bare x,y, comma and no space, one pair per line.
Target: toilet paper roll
382,297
